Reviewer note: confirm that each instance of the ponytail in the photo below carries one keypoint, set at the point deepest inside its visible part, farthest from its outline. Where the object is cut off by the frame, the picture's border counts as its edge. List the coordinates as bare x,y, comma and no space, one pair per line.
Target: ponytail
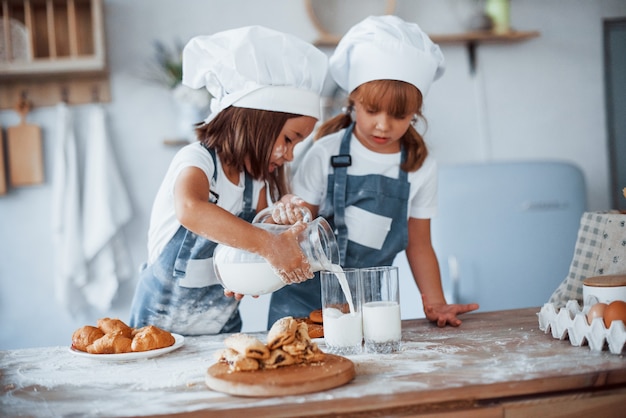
339,122
415,148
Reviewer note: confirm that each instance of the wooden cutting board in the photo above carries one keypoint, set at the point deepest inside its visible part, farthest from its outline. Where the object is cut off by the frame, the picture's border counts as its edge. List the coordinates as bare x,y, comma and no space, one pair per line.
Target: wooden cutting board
24,151
334,371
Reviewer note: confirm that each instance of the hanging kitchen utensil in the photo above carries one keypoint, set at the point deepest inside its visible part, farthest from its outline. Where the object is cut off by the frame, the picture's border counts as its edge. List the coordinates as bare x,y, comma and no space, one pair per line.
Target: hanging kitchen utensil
3,176
24,150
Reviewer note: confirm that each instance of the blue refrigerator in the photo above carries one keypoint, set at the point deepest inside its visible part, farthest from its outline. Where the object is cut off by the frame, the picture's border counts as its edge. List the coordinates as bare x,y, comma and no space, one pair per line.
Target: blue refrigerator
504,234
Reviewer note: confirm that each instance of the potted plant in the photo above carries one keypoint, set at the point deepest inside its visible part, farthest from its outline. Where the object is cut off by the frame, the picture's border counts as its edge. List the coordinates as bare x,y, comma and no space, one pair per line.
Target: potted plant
191,104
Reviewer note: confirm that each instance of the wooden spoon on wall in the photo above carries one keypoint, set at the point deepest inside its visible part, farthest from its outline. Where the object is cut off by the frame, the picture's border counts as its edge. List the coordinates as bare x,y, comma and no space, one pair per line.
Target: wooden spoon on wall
24,150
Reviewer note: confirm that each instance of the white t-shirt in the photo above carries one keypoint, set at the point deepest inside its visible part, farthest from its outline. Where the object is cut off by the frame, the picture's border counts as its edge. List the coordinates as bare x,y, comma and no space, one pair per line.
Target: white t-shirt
311,176
163,221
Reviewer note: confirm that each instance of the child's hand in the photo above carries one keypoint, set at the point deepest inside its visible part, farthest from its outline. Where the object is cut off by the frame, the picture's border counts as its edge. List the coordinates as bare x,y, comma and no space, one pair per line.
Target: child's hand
289,210
444,314
231,294
286,257
237,296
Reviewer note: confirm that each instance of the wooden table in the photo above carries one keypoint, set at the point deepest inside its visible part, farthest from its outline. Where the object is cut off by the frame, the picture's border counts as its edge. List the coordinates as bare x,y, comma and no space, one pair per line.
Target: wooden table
497,364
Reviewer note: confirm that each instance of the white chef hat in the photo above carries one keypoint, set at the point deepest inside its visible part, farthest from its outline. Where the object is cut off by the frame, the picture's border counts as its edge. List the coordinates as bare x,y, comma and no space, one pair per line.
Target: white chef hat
256,67
386,48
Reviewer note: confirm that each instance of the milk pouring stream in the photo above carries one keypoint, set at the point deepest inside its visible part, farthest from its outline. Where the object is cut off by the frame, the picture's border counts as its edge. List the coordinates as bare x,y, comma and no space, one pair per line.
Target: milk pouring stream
343,332
341,277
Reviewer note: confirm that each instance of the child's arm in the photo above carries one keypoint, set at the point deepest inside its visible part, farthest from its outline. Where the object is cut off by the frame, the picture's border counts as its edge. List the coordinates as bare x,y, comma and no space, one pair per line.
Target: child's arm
196,213
425,269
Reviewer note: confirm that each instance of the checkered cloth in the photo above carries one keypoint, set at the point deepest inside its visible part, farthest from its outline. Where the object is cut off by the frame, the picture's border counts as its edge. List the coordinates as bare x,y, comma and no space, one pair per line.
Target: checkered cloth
600,250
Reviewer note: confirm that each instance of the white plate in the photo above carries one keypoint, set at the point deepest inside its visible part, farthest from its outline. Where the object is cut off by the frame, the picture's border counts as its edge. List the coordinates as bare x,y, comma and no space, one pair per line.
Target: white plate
179,341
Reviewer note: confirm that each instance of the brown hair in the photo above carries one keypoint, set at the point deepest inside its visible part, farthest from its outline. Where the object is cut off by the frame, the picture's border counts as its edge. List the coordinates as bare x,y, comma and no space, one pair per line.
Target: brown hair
398,99
241,135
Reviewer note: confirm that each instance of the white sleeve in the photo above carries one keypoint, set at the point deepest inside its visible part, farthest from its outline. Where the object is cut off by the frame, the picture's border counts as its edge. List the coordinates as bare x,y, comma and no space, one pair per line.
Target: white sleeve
311,176
163,221
191,156
423,198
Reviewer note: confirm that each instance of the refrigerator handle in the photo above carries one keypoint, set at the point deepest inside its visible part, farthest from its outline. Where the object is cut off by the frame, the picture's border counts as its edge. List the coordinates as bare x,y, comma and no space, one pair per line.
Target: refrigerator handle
453,269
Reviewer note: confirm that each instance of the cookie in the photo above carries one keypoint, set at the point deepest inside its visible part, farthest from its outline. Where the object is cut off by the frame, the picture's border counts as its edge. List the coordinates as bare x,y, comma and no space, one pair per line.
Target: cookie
315,330
316,316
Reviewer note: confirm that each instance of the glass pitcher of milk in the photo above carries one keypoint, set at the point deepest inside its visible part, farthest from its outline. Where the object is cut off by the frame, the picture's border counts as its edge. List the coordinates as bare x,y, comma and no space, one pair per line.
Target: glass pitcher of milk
250,274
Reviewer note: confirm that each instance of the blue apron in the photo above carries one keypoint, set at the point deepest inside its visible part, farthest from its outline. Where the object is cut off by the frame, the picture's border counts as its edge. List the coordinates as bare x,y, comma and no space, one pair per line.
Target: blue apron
373,193
168,298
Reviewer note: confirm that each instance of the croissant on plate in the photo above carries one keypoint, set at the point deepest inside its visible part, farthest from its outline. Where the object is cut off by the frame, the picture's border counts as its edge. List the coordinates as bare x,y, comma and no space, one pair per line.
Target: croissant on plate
110,344
83,337
151,338
115,326
113,336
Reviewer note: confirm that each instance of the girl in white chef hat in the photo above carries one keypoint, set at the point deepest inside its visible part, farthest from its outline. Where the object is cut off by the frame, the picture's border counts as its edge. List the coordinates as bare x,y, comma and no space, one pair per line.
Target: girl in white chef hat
266,98
370,174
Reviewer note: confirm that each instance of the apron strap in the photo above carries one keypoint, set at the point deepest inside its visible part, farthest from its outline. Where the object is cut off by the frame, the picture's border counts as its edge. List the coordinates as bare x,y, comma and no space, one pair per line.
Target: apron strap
215,196
248,212
247,193
212,152
339,192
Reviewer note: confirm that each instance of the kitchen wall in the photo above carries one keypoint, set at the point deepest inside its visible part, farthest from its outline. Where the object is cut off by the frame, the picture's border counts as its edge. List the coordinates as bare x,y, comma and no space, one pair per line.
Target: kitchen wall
538,99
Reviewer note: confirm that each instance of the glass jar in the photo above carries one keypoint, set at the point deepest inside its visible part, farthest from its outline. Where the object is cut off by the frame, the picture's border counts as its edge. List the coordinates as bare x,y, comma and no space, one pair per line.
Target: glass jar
500,15
250,274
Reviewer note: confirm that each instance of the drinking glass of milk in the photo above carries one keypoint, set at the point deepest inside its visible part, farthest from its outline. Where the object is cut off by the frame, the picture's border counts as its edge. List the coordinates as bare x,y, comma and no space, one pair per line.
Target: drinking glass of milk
381,309
341,311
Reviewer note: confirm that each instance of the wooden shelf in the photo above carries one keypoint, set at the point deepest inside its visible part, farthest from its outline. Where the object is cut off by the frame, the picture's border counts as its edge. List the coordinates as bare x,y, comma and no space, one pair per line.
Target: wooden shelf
51,37
476,37
52,50
50,90
470,39
484,37
473,39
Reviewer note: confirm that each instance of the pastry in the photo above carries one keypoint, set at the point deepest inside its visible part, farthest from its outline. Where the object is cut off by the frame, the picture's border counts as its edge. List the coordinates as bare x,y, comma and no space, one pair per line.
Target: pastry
237,361
299,345
85,336
115,326
316,316
313,354
151,338
278,358
288,343
248,346
282,332
110,344
315,330
113,336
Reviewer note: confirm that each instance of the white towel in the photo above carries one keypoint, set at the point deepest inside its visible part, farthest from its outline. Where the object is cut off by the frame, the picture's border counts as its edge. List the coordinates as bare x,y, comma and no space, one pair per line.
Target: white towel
70,270
106,209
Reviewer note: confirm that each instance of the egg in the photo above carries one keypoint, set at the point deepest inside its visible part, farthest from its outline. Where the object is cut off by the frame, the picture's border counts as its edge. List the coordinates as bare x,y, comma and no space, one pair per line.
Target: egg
596,311
615,311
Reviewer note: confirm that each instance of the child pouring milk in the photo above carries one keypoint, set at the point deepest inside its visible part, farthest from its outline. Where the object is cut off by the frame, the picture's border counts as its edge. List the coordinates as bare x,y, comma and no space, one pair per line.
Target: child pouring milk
266,87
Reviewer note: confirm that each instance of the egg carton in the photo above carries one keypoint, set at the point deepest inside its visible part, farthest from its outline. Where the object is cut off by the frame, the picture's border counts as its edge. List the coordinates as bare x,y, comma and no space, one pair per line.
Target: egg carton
571,322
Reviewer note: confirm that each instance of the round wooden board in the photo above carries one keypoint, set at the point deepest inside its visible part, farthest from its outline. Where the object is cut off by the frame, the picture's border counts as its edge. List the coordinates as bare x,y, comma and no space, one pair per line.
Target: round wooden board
289,380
